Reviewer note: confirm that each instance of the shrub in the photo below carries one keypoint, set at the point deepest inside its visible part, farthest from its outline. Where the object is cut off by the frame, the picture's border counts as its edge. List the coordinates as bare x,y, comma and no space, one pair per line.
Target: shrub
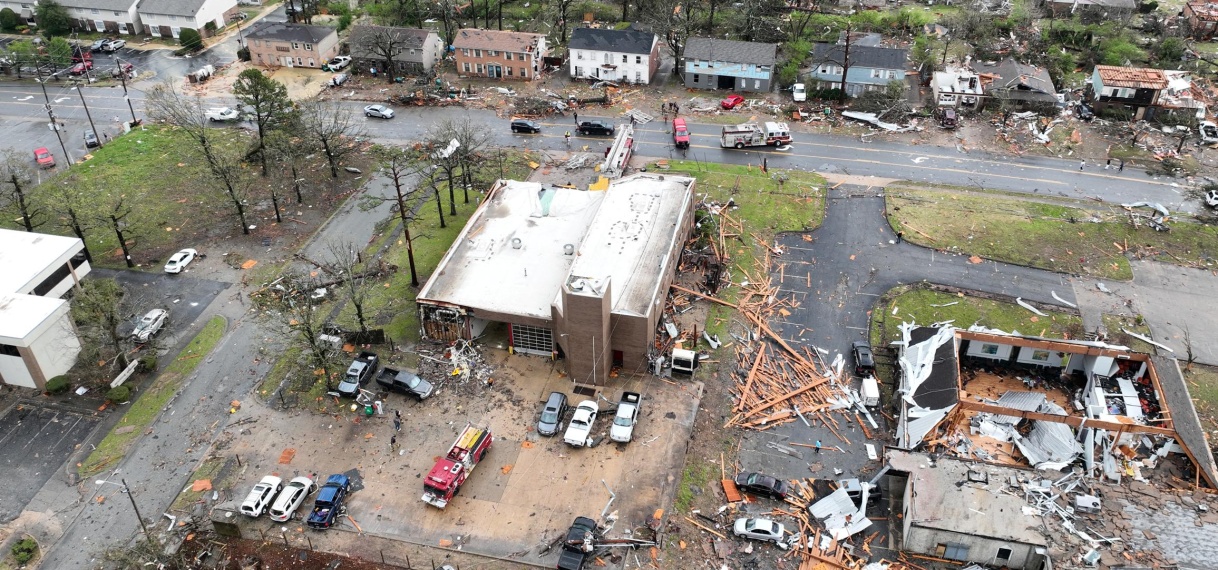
344,22
148,363
190,39
57,385
9,20
119,395
24,550
243,53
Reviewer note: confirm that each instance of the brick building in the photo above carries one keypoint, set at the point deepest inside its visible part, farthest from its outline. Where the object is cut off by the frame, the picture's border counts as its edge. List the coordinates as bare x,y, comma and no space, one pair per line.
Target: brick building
499,55
280,44
564,272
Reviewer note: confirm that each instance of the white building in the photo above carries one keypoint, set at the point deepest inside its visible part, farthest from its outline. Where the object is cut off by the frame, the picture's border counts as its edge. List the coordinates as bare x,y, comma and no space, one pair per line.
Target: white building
105,16
629,56
37,338
166,18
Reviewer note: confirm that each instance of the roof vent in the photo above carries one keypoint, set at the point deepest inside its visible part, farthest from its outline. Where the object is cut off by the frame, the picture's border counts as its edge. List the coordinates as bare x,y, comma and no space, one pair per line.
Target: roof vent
516,243
568,249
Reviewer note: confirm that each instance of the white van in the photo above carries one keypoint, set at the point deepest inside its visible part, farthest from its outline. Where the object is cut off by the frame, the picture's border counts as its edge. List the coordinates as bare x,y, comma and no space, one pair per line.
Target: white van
799,92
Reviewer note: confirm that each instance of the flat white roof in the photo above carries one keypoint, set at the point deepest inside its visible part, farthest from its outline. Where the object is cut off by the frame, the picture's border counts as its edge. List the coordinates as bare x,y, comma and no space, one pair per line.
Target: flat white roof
24,256
21,314
624,233
632,236
483,269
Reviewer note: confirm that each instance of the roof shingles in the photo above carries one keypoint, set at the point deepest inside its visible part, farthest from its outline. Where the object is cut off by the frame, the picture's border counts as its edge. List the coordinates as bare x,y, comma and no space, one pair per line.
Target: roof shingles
619,41
710,49
516,42
285,32
1131,77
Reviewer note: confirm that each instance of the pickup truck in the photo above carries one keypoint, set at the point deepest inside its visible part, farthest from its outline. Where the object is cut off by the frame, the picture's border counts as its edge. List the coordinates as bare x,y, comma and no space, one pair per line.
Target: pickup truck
329,502
627,414
221,114
580,428
578,544
406,382
362,369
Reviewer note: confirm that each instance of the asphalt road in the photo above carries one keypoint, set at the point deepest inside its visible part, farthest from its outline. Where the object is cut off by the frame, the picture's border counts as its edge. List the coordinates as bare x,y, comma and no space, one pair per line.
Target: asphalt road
37,438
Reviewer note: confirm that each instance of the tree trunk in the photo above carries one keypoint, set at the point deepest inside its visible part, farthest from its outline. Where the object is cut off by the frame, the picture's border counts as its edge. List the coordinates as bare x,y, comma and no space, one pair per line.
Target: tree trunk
329,158
22,207
439,202
122,242
80,233
452,196
296,184
275,202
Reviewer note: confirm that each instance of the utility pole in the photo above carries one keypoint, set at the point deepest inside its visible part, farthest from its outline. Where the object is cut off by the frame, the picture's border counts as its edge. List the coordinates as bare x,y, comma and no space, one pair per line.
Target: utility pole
51,114
122,75
846,62
80,92
137,510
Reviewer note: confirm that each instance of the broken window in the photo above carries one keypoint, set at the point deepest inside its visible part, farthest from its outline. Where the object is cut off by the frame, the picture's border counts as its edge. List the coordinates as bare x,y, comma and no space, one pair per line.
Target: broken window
952,551
1004,555
989,349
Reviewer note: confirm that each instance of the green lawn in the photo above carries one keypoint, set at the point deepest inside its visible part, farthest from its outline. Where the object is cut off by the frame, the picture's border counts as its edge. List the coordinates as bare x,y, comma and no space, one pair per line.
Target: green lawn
1038,232
924,306
1203,387
145,409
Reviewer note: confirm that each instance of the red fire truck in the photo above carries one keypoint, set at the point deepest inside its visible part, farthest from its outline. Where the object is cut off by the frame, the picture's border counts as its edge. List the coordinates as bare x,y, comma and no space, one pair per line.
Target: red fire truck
450,471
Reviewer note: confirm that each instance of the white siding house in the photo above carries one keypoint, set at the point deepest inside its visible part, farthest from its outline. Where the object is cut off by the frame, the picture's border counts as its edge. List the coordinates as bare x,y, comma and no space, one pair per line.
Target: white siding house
167,18
629,56
106,16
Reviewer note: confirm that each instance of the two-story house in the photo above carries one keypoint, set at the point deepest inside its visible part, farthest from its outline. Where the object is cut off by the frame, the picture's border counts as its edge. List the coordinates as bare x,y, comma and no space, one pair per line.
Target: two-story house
1202,19
709,63
499,54
1018,84
1136,89
412,51
167,18
868,68
105,16
630,55
957,87
281,44
23,8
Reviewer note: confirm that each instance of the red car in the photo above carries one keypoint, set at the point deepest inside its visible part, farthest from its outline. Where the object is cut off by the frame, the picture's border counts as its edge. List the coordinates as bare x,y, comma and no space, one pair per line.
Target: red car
731,101
44,158
81,67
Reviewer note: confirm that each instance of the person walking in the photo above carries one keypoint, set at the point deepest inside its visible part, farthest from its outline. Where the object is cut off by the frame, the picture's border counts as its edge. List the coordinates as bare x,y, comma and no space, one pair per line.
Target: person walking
397,423
818,447
1081,164
1108,164
567,139
576,115
1121,166
900,237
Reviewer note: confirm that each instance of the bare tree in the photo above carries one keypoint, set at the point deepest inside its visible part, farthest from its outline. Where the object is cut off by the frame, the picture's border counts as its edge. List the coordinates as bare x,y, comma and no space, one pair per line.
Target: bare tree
115,211
404,171
673,20
332,127
382,43
288,302
291,152
471,139
346,262
97,312
1190,357
16,182
222,158
270,104
69,203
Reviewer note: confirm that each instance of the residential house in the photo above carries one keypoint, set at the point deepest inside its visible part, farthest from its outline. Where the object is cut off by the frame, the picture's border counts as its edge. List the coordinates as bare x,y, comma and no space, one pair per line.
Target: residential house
499,54
167,18
275,44
727,64
23,8
1107,9
413,51
957,87
870,68
1202,19
1136,89
37,337
629,56
105,16
1025,86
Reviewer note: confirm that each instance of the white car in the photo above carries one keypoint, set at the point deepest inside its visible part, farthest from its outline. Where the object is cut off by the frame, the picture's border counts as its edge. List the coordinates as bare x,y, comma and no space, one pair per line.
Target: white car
380,111
293,495
799,92
149,325
260,496
114,45
221,114
581,423
759,529
627,414
179,260
1211,198
338,63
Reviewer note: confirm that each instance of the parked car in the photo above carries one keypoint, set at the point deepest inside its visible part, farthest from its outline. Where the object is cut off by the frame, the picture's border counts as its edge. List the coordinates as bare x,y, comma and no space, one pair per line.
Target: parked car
552,413
179,260
763,485
580,428
799,92
329,502
123,69
43,157
1084,112
114,45
405,382
525,126
1211,198
337,64
149,325
731,101
260,496
361,370
595,127
380,111
627,414
1208,131
81,68
759,529
293,495
864,362
947,118
91,139
99,44
680,133
221,114
338,79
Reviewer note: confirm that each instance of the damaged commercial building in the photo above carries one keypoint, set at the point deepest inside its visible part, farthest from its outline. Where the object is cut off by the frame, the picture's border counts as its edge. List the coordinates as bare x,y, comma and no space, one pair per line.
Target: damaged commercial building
565,272
1000,433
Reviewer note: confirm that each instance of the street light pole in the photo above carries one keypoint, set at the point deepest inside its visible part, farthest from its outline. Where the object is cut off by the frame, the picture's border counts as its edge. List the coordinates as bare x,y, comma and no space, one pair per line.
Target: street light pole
51,115
127,490
88,115
122,76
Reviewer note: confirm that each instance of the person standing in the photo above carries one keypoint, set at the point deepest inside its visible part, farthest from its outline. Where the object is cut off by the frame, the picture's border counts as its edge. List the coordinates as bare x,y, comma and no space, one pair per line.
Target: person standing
818,447
397,423
576,115
1121,166
1081,164
393,443
900,237
1108,164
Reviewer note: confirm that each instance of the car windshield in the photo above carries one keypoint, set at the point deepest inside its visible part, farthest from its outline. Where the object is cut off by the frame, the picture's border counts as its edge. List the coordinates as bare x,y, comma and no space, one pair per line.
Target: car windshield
579,422
549,416
682,132
622,418
413,381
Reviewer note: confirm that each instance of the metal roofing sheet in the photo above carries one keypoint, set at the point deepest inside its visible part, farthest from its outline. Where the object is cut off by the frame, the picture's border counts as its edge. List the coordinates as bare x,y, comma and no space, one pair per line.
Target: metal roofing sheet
1015,400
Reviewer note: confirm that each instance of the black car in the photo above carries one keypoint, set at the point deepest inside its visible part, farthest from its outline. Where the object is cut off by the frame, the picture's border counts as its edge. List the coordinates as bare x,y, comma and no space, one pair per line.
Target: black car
763,485
405,382
602,128
1084,112
864,362
91,139
525,126
552,414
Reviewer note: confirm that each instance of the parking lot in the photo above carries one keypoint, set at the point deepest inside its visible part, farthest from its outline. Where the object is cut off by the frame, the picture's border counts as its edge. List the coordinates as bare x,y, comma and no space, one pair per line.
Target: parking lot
37,440
527,490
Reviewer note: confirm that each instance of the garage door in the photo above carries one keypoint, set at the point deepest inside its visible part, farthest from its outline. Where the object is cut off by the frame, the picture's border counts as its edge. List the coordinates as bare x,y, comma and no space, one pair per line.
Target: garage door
532,340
